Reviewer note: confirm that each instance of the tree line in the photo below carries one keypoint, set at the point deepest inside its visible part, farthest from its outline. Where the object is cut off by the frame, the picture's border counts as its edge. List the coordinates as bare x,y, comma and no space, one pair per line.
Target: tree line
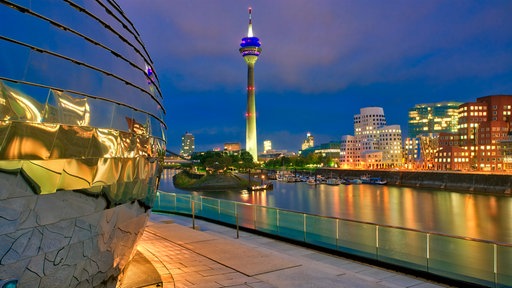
221,162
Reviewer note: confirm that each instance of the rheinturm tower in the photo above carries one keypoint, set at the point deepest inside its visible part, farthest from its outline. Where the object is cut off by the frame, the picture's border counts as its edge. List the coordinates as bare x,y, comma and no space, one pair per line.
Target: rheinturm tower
250,50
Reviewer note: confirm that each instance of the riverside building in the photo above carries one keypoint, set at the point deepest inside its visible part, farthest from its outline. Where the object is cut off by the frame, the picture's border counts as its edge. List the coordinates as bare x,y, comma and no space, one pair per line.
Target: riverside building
433,118
374,144
481,140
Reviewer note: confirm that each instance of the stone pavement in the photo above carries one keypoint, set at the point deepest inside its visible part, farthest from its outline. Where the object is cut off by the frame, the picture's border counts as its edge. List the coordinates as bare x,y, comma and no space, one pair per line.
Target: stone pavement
213,257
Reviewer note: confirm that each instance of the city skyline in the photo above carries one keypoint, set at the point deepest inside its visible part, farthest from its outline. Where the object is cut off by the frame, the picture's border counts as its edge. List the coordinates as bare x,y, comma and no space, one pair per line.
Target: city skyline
325,61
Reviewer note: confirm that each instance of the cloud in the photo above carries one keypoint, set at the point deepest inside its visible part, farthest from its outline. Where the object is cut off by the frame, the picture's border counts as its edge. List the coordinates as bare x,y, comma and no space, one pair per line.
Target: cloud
318,46
322,60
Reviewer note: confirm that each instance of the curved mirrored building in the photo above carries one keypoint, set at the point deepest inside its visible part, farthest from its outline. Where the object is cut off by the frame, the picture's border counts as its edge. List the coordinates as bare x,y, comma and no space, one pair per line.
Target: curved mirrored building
81,140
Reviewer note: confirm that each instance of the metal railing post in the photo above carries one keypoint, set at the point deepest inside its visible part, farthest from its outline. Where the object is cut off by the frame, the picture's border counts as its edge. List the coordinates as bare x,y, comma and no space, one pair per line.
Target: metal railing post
304,228
495,265
377,242
337,234
428,251
277,221
237,225
254,216
193,215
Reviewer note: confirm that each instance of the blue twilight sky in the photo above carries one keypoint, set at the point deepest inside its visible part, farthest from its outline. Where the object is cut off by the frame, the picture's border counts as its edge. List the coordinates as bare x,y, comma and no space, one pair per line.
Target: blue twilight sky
322,61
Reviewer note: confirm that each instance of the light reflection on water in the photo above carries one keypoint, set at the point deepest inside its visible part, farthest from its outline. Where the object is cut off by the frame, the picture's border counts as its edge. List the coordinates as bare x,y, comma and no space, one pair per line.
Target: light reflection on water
462,214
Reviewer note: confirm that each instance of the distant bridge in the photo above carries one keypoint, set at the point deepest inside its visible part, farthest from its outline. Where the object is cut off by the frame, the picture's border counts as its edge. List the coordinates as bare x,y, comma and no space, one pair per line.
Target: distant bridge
175,158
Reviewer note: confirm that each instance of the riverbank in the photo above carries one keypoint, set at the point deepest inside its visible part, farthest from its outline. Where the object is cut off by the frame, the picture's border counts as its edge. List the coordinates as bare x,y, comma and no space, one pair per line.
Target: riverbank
189,181
497,184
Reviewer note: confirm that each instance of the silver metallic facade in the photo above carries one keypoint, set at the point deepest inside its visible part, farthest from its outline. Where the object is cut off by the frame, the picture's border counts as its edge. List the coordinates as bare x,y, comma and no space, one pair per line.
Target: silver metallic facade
81,135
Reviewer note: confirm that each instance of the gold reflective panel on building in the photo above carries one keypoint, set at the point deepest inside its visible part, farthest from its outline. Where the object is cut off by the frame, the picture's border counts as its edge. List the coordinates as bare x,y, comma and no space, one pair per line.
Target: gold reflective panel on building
15,105
61,152
71,110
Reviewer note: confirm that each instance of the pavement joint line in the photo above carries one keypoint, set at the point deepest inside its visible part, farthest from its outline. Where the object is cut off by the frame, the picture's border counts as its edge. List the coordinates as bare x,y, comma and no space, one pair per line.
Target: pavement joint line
197,253
349,271
276,270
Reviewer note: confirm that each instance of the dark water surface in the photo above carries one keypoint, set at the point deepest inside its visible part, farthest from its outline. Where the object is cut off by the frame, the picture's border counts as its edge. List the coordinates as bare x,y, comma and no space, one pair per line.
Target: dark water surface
477,216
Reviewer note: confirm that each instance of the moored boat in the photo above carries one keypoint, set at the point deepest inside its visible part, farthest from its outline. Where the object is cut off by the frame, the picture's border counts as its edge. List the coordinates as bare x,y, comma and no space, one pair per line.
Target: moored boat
267,186
345,181
332,181
380,182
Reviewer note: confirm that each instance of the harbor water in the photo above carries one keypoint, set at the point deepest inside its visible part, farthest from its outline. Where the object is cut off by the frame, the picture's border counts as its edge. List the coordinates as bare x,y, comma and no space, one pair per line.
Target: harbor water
470,215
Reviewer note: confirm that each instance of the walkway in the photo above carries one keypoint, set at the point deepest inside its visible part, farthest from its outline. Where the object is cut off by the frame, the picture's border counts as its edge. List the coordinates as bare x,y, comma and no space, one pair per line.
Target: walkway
213,257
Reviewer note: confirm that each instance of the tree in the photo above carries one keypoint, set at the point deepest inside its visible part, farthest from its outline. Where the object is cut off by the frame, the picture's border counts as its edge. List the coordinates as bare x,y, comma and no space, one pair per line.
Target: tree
247,160
217,164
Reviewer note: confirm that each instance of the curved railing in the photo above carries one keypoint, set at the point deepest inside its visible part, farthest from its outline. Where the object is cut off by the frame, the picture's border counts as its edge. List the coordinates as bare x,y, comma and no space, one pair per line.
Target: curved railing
463,259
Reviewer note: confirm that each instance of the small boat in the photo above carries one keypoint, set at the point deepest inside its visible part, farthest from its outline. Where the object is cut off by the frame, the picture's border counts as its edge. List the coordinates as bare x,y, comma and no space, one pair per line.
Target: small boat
365,179
333,181
380,182
268,186
356,181
311,181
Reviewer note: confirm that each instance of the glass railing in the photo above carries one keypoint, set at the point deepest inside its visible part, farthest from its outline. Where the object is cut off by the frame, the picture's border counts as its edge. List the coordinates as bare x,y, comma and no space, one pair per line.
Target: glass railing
470,260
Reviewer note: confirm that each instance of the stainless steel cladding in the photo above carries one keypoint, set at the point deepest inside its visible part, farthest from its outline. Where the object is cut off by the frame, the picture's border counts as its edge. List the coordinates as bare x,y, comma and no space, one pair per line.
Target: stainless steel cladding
81,140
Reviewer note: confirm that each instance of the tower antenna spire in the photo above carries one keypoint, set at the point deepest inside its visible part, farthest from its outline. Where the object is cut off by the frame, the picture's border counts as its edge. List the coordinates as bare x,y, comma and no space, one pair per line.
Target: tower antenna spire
249,31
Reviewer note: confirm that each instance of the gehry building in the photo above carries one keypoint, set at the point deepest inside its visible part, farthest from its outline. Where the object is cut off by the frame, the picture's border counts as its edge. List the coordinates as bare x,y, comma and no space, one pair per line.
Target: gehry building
374,144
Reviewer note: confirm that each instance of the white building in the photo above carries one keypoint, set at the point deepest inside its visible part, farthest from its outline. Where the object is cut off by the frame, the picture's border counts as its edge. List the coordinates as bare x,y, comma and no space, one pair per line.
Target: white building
374,144
350,154
267,146
309,142
390,144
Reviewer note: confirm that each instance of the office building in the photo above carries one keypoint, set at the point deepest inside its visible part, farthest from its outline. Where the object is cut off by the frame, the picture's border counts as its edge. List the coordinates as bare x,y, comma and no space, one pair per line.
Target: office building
233,147
483,131
187,145
433,118
267,146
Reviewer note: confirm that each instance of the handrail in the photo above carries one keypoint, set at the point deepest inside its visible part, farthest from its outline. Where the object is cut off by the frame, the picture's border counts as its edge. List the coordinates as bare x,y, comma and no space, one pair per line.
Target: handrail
358,221
464,259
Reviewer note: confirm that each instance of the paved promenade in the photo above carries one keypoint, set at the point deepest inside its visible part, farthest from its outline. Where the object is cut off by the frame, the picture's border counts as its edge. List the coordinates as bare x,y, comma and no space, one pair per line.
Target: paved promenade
211,256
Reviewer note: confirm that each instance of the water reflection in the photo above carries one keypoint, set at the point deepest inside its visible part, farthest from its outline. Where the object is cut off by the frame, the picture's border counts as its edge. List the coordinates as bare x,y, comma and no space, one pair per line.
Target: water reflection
468,215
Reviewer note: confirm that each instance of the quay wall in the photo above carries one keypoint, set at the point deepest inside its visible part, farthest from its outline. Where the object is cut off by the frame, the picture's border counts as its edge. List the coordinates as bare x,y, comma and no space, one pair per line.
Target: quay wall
499,184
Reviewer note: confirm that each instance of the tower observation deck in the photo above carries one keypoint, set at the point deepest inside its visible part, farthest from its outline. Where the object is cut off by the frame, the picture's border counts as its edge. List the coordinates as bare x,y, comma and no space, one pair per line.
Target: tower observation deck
250,50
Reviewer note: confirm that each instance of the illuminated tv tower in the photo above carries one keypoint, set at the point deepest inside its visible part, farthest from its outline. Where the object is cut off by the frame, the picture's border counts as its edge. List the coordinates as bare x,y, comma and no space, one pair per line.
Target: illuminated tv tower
250,50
